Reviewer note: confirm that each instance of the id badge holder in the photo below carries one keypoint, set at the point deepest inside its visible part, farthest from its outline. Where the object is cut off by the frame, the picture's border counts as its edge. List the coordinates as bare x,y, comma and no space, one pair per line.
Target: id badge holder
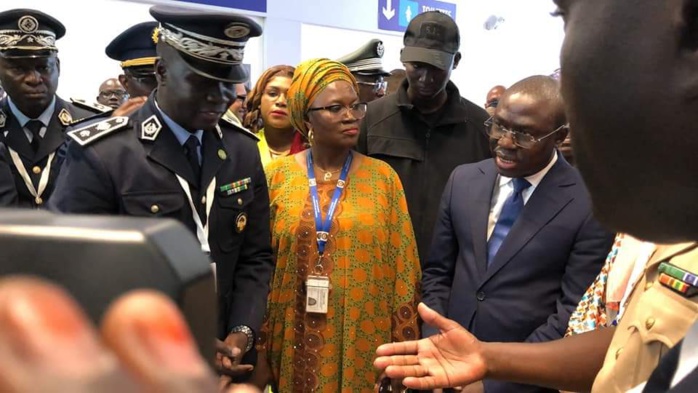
317,294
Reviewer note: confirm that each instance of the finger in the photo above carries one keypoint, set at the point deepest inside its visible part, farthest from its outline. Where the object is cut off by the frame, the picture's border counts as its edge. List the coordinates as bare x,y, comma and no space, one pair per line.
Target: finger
404,360
399,348
223,349
44,333
149,335
223,382
236,371
243,388
400,372
436,320
422,383
228,362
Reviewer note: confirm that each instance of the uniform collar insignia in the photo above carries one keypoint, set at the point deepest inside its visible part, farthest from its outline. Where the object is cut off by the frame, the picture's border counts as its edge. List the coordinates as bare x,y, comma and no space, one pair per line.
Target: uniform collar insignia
65,117
150,128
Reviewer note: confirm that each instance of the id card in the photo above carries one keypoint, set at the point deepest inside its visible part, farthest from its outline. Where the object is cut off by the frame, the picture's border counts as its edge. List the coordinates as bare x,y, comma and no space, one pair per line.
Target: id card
317,294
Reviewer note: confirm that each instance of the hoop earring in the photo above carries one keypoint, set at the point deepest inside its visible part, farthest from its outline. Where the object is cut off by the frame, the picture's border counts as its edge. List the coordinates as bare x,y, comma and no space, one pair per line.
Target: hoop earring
311,137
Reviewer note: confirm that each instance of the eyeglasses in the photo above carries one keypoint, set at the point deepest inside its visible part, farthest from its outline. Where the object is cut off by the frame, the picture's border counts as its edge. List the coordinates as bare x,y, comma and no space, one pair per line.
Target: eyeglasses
113,93
521,139
357,110
378,85
492,103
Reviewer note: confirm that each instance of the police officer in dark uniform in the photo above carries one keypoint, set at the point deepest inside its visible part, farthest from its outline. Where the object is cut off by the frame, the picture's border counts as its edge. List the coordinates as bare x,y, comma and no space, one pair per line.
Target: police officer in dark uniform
366,64
32,117
134,48
175,157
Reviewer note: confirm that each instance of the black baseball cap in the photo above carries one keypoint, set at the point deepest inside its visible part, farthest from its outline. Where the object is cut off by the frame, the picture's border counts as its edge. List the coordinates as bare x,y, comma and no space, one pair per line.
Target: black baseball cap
433,38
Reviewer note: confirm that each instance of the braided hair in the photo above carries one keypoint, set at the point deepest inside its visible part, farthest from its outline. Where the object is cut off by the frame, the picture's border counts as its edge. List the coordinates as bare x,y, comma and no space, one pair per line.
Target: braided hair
253,120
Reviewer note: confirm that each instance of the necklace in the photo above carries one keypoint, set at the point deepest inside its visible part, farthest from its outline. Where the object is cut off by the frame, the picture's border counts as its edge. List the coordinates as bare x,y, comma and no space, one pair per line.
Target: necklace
328,174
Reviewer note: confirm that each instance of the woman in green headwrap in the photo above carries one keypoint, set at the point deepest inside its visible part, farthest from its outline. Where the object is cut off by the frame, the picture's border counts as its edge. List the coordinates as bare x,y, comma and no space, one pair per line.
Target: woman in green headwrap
346,285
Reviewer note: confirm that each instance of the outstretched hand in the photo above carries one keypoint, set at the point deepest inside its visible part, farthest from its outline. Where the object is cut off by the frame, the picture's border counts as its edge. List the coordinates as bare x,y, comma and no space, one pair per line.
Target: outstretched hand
452,358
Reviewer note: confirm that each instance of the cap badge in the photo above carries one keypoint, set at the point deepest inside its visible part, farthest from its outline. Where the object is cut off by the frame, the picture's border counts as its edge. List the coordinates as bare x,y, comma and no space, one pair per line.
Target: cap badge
150,128
433,31
380,49
64,117
236,30
28,24
156,35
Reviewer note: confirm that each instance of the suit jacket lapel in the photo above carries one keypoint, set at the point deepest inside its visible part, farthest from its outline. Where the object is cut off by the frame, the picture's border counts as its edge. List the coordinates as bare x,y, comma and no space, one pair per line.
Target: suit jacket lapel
481,197
213,157
547,201
165,149
15,138
54,136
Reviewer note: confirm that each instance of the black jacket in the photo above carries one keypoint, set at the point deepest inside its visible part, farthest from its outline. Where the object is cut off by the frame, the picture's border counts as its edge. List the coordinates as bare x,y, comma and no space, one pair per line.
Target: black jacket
14,137
131,169
424,154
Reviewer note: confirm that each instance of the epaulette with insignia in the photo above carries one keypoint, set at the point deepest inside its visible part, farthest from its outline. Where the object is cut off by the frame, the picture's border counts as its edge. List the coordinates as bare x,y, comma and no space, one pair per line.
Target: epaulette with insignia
92,132
90,106
77,122
233,121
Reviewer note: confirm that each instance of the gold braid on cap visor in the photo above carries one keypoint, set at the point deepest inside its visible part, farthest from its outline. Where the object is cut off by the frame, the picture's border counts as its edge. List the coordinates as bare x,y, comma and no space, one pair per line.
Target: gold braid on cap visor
203,47
36,40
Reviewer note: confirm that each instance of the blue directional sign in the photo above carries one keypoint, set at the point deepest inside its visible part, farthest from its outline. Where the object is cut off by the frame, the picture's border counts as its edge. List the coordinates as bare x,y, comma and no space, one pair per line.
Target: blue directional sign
395,15
250,5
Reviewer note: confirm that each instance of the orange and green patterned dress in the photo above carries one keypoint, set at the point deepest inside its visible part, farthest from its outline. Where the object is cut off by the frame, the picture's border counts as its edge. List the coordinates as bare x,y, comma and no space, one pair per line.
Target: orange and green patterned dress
374,272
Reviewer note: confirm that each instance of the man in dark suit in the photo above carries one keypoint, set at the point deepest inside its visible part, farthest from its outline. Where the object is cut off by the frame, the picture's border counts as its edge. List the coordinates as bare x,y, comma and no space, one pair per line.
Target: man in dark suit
32,117
515,245
175,158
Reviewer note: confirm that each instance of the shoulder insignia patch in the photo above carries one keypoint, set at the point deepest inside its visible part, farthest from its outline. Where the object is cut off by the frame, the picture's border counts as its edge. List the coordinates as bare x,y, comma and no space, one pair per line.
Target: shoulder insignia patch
3,118
150,128
88,134
65,117
91,106
237,126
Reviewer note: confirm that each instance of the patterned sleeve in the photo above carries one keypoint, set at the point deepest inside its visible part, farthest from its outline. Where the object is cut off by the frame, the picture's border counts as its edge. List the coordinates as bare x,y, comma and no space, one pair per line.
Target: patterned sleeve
591,311
403,254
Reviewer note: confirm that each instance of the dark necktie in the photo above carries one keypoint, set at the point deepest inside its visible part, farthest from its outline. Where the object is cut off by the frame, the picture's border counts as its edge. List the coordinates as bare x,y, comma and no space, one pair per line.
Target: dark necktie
34,126
510,211
191,150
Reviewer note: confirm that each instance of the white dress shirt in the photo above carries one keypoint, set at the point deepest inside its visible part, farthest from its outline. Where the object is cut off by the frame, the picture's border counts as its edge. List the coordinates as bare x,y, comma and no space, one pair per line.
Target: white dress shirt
506,187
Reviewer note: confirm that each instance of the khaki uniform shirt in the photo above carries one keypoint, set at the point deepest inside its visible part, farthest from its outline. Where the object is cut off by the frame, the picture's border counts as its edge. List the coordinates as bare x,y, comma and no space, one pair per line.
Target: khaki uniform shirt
655,319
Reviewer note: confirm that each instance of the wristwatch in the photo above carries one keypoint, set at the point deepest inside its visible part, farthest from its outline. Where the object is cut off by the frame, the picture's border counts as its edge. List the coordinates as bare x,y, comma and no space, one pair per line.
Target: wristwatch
248,332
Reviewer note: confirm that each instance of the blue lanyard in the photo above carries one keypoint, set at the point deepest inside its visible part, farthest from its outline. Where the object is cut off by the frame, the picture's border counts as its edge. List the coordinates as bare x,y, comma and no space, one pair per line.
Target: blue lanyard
322,229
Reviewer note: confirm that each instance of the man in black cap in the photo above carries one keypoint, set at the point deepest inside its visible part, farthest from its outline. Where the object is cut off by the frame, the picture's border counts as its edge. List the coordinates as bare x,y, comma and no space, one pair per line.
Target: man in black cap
135,50
32,117
174,157
366,65
426,128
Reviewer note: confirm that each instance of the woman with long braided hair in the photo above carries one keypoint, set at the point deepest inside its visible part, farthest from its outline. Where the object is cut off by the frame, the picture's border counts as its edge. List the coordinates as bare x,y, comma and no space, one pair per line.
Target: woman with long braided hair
268,117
